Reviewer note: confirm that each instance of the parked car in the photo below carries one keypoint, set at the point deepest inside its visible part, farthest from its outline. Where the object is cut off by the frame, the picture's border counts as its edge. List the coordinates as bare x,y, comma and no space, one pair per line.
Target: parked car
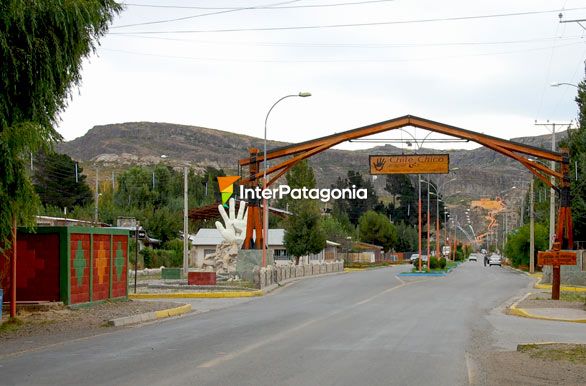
494,260
415,257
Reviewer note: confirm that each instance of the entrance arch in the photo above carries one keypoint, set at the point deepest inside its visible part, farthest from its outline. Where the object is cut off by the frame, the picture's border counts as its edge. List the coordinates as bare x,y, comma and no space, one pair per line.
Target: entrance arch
517,151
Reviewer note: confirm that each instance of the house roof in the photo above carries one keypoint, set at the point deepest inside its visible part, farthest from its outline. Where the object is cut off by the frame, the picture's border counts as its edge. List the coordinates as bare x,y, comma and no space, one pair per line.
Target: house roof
213,237
366,246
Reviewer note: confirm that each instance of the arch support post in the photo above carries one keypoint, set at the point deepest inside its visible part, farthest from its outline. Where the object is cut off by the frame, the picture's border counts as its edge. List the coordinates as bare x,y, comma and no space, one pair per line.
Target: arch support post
254,221
565,227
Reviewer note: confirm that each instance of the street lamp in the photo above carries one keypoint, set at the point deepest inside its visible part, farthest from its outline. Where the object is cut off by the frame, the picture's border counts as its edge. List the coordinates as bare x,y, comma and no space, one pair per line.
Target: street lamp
302,94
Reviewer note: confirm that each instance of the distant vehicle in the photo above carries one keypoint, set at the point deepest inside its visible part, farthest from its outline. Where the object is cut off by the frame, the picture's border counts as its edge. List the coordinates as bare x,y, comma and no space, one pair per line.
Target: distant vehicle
494,260
473,257
446,250
415,257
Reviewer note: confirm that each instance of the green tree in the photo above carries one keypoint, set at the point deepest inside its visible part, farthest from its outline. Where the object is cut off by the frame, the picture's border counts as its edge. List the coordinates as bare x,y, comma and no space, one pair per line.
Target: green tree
407,237
354,208
335,230
576,142
375,228
56,183
303,233
42,45
303,230
517,247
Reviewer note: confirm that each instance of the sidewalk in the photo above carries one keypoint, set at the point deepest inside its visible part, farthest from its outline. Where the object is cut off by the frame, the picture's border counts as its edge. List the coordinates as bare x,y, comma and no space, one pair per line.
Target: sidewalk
538,305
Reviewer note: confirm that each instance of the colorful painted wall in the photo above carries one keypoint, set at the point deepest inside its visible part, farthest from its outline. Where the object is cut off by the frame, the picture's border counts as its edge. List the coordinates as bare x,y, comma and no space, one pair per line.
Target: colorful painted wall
72,264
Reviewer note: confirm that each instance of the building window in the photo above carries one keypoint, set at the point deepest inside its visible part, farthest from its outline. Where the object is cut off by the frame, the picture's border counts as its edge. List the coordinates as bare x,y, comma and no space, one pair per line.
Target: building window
280,254
208,252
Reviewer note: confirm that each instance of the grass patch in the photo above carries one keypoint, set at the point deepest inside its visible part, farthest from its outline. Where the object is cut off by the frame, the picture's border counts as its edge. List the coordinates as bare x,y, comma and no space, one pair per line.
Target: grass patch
575,353
11,325
567,297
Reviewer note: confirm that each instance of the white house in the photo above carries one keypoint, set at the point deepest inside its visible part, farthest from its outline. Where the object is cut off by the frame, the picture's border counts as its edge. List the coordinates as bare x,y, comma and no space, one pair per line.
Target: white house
205,241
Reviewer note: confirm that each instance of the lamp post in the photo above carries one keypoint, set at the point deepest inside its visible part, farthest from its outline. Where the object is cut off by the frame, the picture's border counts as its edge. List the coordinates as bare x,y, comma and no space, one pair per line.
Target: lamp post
419,145
437,230
265,207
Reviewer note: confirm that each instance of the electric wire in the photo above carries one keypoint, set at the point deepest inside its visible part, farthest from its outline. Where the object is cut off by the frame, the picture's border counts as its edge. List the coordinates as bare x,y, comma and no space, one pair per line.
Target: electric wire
196,16
260,7
353,45
400,60
347,25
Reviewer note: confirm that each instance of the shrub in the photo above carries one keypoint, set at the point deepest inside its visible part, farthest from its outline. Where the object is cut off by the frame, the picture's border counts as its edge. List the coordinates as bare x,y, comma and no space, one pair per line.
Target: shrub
443,263
434,263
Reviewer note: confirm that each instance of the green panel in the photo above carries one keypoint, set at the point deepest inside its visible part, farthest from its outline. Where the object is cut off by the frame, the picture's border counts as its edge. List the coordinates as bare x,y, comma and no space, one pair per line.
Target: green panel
171,273
79,262
119,261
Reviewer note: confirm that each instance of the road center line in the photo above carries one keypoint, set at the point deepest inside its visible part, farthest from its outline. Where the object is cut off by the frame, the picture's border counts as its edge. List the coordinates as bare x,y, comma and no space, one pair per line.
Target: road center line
285,334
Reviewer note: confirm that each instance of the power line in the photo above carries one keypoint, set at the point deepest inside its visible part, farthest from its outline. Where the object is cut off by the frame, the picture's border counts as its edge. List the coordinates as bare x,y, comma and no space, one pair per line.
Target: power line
200,15
335,60
325,26
269,7
355,45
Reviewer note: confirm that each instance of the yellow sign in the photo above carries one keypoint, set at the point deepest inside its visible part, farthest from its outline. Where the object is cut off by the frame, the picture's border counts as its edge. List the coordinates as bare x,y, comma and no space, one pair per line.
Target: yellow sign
410,164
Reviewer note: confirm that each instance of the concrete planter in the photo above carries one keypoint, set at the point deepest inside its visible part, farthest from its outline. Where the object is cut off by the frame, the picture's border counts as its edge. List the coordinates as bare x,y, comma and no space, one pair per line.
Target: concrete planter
171,273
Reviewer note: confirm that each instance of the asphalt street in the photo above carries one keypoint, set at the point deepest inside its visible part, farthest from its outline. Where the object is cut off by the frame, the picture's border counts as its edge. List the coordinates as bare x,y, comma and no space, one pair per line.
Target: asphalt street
360,328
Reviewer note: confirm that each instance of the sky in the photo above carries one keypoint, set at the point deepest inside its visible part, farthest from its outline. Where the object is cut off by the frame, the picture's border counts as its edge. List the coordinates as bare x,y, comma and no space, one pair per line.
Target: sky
485,66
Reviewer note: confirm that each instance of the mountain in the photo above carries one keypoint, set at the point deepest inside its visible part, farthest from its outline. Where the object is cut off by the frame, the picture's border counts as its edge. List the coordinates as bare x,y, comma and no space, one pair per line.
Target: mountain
479,172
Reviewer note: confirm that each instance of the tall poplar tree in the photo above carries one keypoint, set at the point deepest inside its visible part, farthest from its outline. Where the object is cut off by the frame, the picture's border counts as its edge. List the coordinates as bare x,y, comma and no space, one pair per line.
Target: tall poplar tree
42,45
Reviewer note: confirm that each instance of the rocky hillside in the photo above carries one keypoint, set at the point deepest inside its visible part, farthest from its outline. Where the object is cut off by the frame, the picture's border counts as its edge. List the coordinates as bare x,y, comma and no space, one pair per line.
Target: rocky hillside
480,172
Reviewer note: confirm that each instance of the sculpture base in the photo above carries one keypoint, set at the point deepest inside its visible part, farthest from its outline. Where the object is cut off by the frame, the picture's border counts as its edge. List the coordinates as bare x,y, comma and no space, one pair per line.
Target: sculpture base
201,278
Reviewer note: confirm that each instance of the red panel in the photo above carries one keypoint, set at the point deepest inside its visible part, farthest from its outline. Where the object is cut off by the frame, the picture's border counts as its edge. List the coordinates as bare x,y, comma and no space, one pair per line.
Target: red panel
101,274
80,285
201,278
37,268
120,267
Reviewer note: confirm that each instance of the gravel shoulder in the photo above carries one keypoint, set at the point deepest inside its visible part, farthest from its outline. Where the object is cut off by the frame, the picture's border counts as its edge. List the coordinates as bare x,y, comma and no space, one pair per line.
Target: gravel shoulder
527,368
40,328
539,300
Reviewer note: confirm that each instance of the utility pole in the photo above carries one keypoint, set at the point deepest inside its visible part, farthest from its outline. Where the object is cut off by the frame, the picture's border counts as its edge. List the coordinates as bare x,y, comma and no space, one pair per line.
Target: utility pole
185,222
97,197
531,230
552,179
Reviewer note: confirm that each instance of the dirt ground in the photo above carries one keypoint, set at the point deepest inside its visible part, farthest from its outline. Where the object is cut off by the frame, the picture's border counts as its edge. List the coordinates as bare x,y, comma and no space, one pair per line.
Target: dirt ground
38,328
551,365
543,300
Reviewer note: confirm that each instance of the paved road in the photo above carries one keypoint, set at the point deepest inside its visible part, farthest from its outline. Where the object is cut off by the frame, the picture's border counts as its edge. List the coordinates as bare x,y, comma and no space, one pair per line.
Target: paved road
362,328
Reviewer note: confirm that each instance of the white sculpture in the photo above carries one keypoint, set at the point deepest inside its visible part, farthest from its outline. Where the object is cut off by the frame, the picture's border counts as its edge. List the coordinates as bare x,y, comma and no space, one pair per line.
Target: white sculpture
233,232
235,226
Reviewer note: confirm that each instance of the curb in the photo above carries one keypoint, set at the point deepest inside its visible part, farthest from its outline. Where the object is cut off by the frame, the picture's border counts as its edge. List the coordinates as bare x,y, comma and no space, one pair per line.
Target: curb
513,310
149,316
562,288
199,295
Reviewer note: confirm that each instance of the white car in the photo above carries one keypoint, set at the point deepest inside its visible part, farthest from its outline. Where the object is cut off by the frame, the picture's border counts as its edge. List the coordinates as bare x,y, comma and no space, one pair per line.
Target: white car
415,257
494,260
473,257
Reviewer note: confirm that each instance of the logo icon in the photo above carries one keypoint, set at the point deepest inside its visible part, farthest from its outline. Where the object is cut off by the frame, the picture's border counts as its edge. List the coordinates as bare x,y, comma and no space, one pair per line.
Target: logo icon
226,185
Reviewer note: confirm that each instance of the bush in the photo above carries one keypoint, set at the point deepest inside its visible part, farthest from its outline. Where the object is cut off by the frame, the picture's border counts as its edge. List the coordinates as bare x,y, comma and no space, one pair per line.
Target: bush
443,263
433,263
154,258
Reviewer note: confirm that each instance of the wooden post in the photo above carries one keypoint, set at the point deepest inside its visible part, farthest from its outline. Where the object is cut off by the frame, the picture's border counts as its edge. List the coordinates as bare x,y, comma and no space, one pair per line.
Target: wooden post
555,282
13,275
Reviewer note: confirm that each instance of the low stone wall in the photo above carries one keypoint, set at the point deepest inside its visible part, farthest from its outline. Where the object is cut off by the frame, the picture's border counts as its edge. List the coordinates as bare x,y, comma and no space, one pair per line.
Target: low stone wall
264,277
570,274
